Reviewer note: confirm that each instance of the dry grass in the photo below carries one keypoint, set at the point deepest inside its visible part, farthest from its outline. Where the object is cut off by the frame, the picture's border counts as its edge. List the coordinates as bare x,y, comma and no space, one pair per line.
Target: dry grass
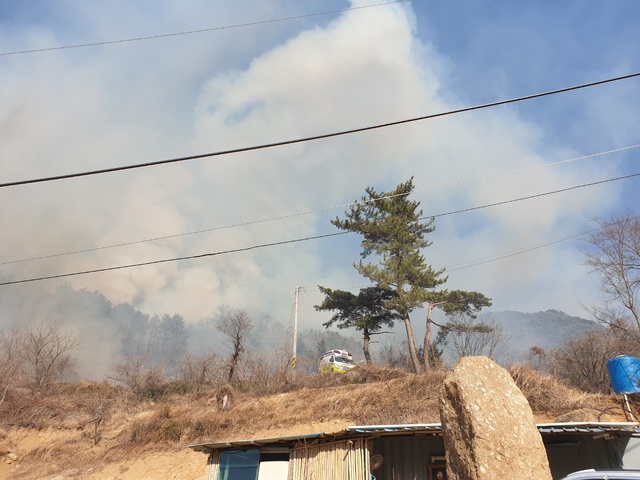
549,398
364,396
305,404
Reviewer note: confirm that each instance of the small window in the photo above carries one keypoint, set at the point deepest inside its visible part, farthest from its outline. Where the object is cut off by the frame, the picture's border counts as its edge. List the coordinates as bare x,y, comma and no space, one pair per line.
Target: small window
239,464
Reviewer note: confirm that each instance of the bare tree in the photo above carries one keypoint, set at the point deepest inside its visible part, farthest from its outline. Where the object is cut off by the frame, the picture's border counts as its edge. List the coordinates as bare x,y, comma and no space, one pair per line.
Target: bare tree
265,372
614,254
235,325
200,371
394,355
45,353
582,361
465,335
97,403
145,380
9,360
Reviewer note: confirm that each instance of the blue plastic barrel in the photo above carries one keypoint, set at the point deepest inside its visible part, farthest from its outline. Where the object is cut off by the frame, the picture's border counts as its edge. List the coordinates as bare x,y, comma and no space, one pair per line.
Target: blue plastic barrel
624,372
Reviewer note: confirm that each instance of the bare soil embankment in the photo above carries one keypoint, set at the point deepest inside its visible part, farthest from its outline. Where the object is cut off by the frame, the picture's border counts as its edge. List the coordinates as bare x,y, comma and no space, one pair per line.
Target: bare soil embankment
97,431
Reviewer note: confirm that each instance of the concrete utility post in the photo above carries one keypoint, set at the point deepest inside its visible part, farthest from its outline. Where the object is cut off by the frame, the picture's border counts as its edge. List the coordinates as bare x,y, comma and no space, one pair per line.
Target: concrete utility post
294,359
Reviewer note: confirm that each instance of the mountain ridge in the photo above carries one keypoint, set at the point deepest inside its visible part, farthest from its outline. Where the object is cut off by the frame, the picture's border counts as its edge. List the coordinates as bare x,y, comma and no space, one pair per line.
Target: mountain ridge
546,329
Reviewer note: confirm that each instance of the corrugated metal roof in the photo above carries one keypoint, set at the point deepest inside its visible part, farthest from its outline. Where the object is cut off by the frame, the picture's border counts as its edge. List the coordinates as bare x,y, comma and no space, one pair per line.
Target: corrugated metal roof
631,428
565,427
433,428
591,427
198,447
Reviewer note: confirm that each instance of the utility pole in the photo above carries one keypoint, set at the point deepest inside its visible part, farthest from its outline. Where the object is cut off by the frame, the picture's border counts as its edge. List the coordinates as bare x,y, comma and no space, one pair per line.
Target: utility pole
294,359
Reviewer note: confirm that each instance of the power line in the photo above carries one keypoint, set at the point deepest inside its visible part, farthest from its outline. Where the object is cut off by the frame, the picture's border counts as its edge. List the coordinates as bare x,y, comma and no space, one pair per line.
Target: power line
502,256
192,32
513,253
313,138
176,259
304,300
318,210
493,258
528,169
529,197
285,242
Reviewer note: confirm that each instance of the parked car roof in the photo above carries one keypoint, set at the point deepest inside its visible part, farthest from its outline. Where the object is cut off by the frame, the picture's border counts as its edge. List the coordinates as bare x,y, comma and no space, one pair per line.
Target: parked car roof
604,475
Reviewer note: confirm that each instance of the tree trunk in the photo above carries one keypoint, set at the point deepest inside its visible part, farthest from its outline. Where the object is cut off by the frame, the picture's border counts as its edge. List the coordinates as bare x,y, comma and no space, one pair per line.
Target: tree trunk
366,337
233,364
427,340
417,366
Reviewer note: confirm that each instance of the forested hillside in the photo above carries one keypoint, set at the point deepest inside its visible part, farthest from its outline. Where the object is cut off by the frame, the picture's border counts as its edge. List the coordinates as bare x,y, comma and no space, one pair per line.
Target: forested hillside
548,330
108,334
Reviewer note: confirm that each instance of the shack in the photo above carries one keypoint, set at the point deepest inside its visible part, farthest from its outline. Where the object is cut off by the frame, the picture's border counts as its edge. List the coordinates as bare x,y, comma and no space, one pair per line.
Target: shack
406,452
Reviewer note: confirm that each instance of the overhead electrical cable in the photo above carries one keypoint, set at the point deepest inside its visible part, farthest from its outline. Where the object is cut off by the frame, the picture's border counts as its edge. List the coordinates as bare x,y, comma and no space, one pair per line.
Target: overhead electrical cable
502,256
312,138
528,169
304,300
285,242
529,197
318,210
513,253
175,259
519,251
202,30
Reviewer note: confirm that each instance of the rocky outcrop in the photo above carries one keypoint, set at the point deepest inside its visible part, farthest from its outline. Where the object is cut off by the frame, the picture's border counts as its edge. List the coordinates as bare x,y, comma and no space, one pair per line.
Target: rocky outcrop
488,427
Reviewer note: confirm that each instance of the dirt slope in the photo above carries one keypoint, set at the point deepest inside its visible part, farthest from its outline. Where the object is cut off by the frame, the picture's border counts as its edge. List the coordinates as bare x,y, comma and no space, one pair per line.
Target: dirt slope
55,438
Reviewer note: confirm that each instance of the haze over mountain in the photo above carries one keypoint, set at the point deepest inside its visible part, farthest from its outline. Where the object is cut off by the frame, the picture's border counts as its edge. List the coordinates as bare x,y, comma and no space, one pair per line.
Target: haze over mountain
110,333
548,330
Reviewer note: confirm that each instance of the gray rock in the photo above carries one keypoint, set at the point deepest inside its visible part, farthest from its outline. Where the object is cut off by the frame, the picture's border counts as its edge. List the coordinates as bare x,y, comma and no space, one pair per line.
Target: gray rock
488,427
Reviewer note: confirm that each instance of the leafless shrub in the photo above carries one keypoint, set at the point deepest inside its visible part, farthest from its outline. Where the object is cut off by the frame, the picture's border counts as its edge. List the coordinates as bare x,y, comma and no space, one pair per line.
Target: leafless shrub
264,374
235,325
582,362
394,355
305,364
465,335
201,372
144,381
9,361
45,354
96,400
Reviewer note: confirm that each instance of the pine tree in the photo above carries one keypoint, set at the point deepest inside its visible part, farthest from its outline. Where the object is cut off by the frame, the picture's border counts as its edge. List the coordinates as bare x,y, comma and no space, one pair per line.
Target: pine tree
393,232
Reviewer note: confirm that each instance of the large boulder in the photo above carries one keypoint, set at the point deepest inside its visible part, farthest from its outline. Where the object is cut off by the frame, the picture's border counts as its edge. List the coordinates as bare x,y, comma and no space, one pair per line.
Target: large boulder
488,427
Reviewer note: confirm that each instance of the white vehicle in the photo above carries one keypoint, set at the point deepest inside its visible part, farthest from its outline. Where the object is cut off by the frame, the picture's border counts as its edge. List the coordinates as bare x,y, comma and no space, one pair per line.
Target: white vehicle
336,360
604,475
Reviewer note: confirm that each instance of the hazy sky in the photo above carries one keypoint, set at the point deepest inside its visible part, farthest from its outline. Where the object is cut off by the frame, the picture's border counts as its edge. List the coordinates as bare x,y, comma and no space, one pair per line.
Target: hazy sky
267,72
